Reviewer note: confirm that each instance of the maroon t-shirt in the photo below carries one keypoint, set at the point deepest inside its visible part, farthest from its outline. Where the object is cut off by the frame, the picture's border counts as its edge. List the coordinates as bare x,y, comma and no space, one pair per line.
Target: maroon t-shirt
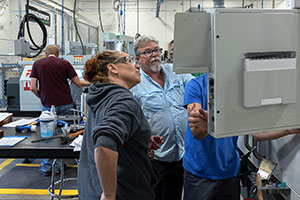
53,74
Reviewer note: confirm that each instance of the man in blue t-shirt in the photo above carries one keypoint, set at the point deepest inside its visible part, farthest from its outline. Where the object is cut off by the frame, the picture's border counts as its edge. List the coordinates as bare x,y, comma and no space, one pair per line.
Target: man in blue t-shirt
211,164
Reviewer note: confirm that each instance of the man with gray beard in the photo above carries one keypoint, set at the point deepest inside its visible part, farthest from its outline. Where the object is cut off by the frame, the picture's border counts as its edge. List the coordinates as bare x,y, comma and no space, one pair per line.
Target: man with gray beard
160,94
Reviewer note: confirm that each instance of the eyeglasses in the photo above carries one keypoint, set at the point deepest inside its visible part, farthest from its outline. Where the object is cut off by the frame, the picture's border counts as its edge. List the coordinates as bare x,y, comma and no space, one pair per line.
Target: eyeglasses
124,59
150,52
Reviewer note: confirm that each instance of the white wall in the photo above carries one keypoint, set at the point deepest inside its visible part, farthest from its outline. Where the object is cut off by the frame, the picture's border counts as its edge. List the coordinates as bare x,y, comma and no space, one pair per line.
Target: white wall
6,32
162,27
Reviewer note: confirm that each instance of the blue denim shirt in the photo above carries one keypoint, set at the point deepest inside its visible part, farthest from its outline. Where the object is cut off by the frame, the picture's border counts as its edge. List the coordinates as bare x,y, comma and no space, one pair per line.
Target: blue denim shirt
163,108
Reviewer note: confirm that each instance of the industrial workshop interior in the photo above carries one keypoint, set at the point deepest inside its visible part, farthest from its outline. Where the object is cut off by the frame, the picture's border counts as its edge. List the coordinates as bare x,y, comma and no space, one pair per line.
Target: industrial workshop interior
229,71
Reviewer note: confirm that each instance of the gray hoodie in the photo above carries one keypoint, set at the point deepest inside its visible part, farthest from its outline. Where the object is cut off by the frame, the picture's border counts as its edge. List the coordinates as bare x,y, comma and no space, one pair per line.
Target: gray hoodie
116,121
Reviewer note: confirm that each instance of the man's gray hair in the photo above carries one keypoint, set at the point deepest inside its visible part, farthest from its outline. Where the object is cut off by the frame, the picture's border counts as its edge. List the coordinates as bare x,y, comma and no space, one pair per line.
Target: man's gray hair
143,41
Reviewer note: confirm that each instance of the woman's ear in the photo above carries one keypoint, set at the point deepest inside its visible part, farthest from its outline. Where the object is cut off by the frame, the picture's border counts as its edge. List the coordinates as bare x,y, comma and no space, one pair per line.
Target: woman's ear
112,68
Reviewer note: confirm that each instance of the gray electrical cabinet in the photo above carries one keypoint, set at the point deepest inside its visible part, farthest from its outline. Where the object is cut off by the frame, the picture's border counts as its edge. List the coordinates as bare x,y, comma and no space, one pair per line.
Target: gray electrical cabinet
192,44
252,60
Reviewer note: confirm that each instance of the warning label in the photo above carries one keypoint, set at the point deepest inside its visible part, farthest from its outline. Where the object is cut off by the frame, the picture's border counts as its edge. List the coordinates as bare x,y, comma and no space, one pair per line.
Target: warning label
27,85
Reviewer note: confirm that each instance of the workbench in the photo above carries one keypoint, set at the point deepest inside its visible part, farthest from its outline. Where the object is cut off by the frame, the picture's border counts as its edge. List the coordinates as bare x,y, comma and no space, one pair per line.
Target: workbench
44,149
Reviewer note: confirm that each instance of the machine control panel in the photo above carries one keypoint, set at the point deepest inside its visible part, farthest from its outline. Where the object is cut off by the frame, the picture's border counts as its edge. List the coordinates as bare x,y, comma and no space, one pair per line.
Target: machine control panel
78,60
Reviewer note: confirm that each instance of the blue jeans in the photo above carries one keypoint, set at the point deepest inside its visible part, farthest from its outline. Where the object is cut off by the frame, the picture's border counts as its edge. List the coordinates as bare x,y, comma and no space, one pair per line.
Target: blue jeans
46,164
60,110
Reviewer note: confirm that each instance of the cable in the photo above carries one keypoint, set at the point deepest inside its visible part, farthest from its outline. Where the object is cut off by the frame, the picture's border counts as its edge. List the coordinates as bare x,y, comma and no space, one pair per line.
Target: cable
121,17
62,27
124,17
21,33
75,25
137,16
99,14
116,6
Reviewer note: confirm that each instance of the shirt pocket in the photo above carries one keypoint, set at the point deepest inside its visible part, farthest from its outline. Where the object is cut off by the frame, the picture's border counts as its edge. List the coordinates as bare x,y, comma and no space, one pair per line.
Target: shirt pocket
152,102
176,92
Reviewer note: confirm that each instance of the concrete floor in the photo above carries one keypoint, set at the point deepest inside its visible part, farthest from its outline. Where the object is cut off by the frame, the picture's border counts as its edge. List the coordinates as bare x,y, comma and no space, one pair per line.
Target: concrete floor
20,193
26,197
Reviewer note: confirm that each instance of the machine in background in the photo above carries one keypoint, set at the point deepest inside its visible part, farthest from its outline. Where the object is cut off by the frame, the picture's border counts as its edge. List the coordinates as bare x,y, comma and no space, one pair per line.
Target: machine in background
118,42
72,54
27,101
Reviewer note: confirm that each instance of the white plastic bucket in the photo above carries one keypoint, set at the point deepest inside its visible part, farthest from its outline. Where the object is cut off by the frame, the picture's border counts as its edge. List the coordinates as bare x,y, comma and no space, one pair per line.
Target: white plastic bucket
47,124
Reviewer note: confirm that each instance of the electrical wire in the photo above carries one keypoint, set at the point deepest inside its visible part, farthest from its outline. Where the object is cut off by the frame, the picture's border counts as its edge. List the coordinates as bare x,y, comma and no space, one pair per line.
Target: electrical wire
21,33
62,27
137,16
116,7
99,14
124,17
76,29
120,17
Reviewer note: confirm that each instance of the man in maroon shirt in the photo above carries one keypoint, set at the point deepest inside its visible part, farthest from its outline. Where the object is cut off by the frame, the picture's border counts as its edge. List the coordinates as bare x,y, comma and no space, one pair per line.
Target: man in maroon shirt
51,74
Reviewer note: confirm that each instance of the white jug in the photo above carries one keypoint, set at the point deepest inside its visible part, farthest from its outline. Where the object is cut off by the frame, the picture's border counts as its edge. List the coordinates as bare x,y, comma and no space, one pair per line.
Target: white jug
47,124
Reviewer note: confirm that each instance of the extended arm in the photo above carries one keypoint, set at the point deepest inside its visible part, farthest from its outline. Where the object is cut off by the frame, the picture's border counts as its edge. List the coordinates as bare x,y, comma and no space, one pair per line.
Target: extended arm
197,120
272,135
80,83
106,162
33,87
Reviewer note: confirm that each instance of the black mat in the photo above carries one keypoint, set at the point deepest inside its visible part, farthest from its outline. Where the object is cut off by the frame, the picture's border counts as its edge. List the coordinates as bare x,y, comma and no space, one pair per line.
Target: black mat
24,177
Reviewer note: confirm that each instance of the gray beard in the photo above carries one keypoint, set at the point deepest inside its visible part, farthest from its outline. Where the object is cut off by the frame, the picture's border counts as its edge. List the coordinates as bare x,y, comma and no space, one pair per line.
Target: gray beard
155,68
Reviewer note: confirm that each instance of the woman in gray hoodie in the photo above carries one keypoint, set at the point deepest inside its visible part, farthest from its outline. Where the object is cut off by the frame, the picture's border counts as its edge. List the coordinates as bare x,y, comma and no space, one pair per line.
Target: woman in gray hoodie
114,161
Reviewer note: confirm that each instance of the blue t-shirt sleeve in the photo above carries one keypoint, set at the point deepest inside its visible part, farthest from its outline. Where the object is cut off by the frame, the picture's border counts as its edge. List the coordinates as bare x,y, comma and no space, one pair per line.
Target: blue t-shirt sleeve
192,93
